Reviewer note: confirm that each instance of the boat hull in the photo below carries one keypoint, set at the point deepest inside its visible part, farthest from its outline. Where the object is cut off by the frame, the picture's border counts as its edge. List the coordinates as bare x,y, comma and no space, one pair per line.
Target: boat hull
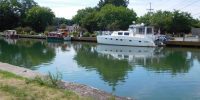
125,41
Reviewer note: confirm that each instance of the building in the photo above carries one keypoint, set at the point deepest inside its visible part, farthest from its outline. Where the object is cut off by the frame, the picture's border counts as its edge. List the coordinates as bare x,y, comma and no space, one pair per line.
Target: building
196,31
73,28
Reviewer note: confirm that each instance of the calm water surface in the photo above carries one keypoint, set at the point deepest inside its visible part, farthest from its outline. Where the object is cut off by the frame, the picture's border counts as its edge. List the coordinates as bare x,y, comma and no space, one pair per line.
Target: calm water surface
139,72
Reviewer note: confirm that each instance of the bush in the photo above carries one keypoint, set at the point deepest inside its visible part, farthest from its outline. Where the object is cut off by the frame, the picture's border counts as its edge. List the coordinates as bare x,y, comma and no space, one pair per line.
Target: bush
33,33
86,34
27,29
19,30
50,28
75,34
46,32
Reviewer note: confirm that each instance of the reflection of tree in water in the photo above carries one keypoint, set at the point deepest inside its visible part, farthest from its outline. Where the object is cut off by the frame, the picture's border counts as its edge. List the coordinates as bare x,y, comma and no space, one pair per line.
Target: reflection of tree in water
174,61
26,53
63,45
111,70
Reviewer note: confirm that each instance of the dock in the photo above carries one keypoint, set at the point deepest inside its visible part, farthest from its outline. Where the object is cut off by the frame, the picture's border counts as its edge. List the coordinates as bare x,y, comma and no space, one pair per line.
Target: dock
32,36
85,39
184,42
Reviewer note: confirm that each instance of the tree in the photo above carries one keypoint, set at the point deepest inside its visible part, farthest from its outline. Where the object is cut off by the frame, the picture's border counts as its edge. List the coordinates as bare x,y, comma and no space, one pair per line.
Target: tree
123,3
182,22
146,19
86,19
39,17
162,20
171,22
12,12
9,14
58,21
115,18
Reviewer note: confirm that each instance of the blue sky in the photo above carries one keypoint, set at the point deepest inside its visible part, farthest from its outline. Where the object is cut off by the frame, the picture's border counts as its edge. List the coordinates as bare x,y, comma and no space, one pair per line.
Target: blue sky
68,8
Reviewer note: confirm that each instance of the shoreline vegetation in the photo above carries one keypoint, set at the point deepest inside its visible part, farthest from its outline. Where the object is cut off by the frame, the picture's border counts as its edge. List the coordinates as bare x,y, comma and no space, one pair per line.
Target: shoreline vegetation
28,17
22,84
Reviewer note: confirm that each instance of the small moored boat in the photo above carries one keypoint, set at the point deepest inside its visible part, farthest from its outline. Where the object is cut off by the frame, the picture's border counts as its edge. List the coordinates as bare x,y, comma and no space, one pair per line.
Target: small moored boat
58,36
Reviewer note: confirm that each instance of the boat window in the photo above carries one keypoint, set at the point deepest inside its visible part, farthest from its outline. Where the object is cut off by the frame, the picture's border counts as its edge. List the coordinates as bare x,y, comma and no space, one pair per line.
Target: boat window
140,41
120,33
126,56
111,39
130,40
121,39
116,39
141,30
105,38
126,33
149,30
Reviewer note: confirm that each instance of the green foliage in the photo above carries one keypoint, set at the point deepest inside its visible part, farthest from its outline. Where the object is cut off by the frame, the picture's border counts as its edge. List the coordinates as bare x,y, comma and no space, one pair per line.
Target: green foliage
75,34
33,33
7,75
109,17
50,28
86,19
50,80
24,30
39,18
12,12
46,32
170,22
27,29
57,21
63,26
86,34
115,18
19,30
123,3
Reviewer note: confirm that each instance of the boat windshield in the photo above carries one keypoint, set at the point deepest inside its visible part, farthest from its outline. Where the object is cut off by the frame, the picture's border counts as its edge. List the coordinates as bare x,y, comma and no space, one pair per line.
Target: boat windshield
141,30
149,30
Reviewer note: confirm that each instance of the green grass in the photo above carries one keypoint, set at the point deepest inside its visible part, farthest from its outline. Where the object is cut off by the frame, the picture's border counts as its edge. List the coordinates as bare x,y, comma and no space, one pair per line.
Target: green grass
19,88
5,74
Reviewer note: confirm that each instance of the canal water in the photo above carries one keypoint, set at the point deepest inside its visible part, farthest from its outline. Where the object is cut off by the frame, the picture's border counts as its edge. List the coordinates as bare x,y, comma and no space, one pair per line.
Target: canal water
142,73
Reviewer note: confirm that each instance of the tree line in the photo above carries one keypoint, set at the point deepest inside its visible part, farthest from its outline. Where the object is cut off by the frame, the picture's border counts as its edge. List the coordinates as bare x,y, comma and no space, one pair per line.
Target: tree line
27,15
107,15
111,15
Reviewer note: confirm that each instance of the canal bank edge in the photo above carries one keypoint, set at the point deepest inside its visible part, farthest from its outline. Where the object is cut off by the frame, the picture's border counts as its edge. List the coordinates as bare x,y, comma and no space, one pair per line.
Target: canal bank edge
82,90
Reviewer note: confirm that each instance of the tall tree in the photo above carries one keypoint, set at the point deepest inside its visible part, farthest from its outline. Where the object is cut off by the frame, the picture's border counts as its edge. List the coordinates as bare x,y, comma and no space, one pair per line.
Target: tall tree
39,18
12,12
123,3
9,14
182,22
115,18
86,19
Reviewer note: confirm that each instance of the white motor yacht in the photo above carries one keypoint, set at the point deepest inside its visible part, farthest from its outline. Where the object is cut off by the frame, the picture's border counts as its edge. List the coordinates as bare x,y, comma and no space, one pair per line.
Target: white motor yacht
137,35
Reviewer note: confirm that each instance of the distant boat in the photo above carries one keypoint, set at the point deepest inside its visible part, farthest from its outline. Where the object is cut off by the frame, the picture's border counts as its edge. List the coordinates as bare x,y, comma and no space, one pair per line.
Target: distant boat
61,35
137,35
10,34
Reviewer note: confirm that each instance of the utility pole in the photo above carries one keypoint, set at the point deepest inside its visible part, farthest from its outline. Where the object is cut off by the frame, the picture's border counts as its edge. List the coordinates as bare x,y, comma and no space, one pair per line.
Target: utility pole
150,10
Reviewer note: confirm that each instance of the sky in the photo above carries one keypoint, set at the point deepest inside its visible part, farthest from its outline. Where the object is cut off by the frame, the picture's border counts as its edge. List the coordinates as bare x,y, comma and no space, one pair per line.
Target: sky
69,8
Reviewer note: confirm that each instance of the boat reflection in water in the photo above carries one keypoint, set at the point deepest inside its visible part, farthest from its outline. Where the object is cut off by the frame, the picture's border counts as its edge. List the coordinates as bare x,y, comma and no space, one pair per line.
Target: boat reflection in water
132,54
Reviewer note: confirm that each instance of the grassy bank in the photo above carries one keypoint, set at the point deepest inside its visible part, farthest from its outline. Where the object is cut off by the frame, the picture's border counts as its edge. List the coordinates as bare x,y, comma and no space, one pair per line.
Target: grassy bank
18,88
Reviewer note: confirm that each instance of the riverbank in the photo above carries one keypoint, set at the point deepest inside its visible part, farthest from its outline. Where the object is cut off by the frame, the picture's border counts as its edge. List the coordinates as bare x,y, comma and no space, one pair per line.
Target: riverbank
80,91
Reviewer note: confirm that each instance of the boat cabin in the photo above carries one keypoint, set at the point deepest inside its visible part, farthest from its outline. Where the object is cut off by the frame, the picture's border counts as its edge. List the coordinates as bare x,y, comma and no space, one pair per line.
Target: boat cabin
63,31
55,34
141,29
121,33
10,32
